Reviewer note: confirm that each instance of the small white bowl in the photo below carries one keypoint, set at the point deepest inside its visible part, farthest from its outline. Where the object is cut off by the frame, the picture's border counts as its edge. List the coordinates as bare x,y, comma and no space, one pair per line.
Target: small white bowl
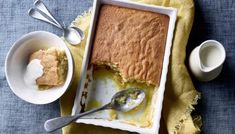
17,60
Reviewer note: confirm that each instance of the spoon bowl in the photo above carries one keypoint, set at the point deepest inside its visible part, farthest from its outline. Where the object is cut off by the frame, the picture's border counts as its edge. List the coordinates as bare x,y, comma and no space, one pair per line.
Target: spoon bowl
127,100
72,35
81,33
122,101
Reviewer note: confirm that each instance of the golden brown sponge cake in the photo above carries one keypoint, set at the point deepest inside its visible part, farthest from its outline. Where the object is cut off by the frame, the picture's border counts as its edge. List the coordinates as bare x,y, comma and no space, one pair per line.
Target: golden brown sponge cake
131,42
54,62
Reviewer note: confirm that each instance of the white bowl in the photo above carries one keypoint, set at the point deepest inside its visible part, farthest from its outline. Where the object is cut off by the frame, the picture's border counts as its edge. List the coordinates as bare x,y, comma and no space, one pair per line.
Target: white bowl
17,60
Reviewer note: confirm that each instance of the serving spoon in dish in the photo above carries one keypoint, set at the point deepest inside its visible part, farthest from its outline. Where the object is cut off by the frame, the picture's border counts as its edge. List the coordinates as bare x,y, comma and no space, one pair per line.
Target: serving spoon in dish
122,101
73,35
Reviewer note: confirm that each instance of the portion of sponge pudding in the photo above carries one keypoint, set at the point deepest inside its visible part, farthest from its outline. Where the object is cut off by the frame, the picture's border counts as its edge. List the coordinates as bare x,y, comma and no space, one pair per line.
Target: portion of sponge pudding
54,62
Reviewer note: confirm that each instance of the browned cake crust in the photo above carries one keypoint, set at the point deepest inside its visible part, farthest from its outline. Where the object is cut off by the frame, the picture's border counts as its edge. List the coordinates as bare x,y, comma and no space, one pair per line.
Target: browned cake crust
132,42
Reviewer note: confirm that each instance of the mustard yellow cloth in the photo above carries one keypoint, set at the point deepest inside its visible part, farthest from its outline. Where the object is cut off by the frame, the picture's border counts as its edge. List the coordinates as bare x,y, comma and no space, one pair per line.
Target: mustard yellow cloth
180,94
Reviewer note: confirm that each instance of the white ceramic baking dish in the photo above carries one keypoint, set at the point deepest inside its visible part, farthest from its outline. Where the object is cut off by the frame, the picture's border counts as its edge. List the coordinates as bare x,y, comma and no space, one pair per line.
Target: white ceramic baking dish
84,92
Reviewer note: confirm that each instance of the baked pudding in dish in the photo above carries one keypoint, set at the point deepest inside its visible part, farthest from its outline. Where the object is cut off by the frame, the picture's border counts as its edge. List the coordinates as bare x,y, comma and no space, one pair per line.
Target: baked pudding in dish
131,42
128,48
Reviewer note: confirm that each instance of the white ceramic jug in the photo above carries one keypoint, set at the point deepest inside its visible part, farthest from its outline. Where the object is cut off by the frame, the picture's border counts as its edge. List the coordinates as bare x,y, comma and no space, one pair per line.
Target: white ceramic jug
206,61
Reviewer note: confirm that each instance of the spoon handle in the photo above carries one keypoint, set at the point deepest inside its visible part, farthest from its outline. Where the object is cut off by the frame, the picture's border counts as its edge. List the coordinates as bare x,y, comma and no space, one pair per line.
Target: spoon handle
59,122
37,15
42,7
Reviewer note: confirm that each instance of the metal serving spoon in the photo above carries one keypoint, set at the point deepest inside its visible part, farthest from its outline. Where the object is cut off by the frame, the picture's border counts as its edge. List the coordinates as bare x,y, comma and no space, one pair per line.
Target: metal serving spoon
73,35
123,101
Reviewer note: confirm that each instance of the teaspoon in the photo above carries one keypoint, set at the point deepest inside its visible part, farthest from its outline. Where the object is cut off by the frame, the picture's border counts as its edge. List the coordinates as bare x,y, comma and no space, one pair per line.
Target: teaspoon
73,35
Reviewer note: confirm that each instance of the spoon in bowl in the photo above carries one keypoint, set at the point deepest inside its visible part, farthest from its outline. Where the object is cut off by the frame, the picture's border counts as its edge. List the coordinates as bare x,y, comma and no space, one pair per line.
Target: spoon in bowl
73,35
123,101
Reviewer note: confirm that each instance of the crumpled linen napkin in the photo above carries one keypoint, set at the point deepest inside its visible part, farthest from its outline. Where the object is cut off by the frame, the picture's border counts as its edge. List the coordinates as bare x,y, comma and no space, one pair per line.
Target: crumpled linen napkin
180,94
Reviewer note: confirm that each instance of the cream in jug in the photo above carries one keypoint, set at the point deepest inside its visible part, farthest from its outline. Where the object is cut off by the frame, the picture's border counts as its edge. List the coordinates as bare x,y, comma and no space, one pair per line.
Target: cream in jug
206,60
